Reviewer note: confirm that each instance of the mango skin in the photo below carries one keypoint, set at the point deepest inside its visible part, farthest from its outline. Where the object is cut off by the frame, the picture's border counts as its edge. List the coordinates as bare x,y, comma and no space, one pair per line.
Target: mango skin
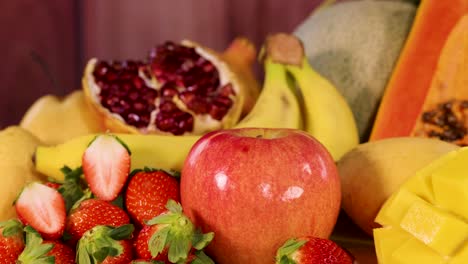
55,120
16,149
429,226
372,171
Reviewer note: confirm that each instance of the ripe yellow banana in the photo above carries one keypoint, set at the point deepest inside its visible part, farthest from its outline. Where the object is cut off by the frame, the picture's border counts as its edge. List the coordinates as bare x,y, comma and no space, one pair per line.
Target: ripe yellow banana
277,105
327,115
156,151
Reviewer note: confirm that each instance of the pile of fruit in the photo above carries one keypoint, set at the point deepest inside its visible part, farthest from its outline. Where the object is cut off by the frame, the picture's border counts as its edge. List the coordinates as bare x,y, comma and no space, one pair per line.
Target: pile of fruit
184,157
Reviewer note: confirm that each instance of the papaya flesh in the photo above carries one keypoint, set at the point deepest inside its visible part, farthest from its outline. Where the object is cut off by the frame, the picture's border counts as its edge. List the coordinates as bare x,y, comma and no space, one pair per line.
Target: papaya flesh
413,77
445,111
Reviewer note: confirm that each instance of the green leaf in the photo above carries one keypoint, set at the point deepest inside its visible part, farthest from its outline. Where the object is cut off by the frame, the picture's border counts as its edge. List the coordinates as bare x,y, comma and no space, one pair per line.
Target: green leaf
119,201
173,206
200,240
71,189
178,250
166,218
158,241
97,244
122,232
87,194
202,258
35,250
288,248
11,227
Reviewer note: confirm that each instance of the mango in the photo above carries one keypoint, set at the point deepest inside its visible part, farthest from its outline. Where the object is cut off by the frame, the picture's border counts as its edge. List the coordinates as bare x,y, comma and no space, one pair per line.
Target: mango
425,220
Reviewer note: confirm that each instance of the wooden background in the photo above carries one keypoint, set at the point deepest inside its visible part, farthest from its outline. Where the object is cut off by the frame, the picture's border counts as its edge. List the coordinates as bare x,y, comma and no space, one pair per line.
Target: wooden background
45,44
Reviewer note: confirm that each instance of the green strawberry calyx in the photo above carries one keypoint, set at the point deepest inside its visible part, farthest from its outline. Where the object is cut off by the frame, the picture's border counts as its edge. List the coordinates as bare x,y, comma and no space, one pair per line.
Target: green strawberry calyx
285,252
101,242
176,233
11,227
35,250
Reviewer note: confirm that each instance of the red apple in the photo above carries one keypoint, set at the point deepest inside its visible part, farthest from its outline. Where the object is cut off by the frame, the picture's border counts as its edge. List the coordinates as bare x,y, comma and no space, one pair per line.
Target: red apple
256,188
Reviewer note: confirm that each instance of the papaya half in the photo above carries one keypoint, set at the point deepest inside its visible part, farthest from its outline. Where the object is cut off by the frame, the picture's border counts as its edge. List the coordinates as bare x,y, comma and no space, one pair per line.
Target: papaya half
429,63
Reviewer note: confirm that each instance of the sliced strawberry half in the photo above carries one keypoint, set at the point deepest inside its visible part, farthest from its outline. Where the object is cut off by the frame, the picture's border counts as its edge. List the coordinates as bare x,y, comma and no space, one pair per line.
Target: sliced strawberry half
308,250
43,208
106,165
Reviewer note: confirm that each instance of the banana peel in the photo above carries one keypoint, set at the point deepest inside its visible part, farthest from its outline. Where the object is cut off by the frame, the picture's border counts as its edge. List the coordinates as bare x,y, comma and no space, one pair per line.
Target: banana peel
54,120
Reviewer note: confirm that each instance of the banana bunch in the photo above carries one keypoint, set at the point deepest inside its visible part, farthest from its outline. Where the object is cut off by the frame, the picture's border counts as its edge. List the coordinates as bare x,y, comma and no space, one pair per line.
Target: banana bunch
293,96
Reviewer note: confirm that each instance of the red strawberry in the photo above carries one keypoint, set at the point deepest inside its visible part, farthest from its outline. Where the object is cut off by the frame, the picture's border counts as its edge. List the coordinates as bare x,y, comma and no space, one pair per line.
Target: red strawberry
171,236
141,244
63,254
93,212
106,165
43,208
311,250
11,241
39,251
106,245
148,192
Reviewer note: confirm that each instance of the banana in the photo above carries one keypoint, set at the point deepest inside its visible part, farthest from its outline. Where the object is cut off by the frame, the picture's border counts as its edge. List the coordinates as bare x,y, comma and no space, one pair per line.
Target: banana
156,151
327,115
277,106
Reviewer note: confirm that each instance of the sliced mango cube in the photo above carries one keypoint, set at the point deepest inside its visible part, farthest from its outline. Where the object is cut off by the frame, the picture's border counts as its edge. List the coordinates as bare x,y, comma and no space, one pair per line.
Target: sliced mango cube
396,207
387,240
441,231
414,251
451,189
426,220
421,183
461,257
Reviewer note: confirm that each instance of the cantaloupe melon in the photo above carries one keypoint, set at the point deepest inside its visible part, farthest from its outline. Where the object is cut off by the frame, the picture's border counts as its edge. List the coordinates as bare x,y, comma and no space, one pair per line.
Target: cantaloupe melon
355,45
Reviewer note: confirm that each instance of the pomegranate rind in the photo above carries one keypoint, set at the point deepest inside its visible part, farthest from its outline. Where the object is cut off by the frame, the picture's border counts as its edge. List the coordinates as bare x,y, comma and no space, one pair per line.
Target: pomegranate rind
202,123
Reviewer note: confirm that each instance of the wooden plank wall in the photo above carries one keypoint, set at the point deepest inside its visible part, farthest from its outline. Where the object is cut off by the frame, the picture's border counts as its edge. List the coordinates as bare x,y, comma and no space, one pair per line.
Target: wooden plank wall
46,43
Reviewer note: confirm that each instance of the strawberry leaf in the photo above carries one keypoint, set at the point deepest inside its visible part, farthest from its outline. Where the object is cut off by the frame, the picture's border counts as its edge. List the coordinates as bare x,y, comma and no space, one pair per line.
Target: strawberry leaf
200,240
178,249
288,248
35,251
11,227
98,244
202,258
122,232
158,241
71,189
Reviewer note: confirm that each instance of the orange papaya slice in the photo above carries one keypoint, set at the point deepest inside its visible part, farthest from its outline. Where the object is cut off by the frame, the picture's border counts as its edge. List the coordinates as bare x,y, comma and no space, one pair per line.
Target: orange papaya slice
406,92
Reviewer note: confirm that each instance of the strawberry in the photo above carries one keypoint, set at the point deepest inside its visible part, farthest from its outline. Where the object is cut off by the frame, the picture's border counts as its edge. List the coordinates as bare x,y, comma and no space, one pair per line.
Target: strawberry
106,165
43,208
141,244
39,251
11,241
148,192
311,250
93,212
171,234
62,253
106,245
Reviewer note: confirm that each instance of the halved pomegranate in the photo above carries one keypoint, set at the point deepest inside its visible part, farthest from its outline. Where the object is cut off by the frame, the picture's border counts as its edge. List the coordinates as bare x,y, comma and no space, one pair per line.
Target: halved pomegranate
182,88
